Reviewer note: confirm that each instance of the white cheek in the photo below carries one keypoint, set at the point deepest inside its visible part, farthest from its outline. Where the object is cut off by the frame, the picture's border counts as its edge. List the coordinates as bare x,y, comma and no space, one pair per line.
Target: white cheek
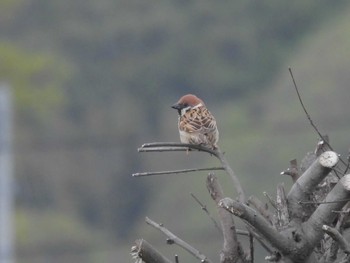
184,110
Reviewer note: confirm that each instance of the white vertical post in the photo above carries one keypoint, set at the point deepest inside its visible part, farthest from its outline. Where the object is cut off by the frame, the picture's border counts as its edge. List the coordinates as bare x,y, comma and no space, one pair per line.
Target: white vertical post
6,176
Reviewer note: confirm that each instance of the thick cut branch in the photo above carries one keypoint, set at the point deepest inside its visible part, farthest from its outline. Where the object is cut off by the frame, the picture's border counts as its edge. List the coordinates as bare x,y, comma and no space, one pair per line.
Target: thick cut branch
173,239
230,250
304,186
147,253
259,223
324,215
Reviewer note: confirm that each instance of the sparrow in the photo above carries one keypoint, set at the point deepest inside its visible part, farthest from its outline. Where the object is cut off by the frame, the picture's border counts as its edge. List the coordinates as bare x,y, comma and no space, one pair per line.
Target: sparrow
196,124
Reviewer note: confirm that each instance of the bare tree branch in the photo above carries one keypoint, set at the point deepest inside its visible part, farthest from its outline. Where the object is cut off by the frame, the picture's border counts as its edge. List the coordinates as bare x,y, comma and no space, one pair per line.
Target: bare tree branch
282,208
259,239
274,257
143,251
173,239
182,146
302,104
173,146
162,149
323,215
228,169
260,224
177,171
261,208
326,202
334,233
307,182
204,208
348,162
251,247
308,115
344,214
231,250
292,171
270,199
294,240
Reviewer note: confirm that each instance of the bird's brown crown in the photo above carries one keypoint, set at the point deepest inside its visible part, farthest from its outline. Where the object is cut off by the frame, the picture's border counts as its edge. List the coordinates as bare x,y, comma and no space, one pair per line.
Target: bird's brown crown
190,100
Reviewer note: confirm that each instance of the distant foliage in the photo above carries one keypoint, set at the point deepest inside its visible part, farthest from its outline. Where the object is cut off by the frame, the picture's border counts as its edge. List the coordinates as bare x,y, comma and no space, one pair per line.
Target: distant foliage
36,79
104,67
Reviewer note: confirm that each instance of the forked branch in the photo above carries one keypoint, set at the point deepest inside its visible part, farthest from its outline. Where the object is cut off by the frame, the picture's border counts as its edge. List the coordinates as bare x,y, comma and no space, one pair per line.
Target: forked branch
173,146
259,223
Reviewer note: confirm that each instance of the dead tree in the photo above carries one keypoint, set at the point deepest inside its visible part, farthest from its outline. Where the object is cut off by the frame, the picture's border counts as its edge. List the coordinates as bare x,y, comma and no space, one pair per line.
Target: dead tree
308,224
305,225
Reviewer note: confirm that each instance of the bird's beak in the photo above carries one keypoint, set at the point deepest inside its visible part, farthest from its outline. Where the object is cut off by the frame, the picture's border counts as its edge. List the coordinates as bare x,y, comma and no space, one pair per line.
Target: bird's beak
177,106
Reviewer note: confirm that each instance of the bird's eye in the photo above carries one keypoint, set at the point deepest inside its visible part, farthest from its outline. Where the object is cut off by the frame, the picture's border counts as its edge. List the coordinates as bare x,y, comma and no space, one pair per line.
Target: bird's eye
185,105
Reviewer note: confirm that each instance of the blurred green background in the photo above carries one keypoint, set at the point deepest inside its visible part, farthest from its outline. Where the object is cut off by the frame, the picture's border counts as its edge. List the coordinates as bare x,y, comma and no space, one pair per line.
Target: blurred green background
93,80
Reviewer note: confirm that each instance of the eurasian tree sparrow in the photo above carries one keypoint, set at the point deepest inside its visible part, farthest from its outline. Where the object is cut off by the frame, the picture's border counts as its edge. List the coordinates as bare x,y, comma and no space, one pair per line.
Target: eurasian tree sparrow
196,124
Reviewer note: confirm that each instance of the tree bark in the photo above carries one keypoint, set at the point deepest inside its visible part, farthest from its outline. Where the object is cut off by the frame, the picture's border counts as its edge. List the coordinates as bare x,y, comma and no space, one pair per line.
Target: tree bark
147,253
231,251
304,186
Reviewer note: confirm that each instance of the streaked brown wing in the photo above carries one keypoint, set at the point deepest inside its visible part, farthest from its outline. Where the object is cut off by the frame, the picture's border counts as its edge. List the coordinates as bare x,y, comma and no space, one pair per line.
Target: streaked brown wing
197,120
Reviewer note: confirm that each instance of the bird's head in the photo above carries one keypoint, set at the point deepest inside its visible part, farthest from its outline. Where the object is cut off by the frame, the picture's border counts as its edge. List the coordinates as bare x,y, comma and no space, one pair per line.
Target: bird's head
187,103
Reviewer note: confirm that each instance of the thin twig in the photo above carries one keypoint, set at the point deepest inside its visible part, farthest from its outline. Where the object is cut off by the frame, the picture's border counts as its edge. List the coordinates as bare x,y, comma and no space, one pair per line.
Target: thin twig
305,111
237,184
162,149
258,238
251,247
176,144
272,202
204,208
337,170
342,212
292,171
308,115
261,208
172,239
242,232
177,171
325,202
